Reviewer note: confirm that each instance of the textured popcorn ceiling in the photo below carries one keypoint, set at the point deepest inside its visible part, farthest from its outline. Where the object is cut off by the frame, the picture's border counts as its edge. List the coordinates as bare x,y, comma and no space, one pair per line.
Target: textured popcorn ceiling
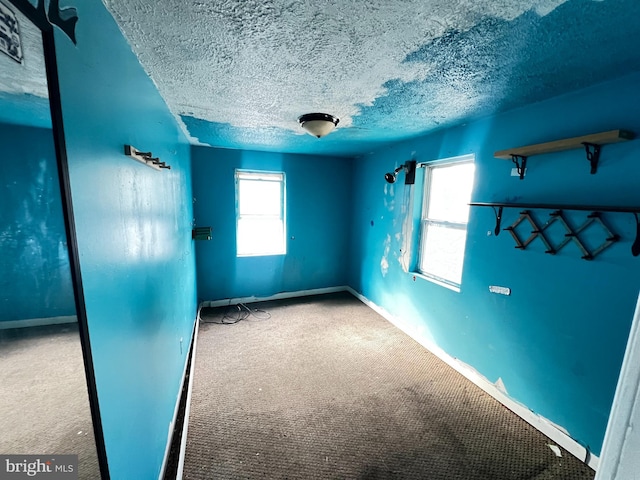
238,73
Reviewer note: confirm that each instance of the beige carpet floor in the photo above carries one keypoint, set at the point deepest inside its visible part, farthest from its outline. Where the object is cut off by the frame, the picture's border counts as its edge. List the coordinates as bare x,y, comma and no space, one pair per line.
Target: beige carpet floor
328,389
44,406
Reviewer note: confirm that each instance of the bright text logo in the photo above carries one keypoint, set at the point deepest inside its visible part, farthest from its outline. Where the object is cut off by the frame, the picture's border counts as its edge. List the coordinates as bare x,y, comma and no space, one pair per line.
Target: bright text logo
50,467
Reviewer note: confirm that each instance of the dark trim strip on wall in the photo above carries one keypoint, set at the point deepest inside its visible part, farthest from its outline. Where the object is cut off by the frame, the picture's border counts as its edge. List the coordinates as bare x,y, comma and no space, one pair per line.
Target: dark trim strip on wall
55,105
172,464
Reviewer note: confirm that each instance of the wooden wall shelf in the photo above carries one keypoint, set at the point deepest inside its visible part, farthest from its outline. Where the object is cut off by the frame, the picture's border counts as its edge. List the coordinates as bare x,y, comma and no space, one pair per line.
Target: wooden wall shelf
591,144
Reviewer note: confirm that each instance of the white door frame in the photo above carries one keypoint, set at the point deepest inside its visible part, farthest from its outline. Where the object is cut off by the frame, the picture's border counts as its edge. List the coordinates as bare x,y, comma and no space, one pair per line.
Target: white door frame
620,459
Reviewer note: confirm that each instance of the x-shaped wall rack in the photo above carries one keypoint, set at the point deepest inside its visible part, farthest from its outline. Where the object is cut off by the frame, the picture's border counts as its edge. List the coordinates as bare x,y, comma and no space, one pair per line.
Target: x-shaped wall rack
572,234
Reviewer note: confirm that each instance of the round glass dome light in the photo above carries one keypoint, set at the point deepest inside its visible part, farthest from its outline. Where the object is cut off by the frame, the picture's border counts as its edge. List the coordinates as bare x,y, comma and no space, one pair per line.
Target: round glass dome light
318,124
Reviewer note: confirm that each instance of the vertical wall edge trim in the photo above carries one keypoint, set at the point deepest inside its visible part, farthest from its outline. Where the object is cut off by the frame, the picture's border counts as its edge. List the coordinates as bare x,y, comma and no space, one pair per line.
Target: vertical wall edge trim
60,146
172,424
624,402
187,411
540,423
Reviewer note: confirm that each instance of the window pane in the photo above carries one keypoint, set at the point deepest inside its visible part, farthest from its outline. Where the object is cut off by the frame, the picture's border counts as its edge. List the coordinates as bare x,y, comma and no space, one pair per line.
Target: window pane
260,222
443,252
260,236
257,197
450,192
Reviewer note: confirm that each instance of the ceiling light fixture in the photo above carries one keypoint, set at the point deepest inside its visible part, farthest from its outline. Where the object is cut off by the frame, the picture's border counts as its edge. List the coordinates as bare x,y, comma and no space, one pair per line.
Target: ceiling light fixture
318,124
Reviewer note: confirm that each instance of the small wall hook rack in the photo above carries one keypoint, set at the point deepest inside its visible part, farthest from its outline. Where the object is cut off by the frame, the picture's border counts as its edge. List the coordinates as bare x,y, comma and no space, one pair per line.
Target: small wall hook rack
145,157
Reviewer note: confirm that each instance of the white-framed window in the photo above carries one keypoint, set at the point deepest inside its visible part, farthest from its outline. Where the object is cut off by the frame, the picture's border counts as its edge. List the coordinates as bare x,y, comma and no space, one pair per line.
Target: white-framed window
260,213
445,212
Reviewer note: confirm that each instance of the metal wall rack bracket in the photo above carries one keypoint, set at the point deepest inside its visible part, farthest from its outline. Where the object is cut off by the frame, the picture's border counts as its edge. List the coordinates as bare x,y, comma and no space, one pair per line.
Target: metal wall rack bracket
145,157
591,143
572,234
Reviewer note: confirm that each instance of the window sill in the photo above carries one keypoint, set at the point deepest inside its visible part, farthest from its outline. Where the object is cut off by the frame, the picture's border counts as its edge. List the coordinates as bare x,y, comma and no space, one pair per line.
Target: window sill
429,278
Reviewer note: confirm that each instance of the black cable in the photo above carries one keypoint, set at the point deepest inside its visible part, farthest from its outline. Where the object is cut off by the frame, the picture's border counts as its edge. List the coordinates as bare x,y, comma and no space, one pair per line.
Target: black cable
257,313
236,313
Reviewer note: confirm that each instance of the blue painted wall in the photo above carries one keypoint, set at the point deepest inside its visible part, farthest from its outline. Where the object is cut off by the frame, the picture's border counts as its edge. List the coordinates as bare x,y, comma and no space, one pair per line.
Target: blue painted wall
134,238
35,280
557,342
26,109
318,221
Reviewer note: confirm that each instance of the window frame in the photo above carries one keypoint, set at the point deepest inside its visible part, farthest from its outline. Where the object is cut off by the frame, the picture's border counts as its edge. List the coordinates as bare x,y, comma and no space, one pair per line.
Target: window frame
425,221
283,211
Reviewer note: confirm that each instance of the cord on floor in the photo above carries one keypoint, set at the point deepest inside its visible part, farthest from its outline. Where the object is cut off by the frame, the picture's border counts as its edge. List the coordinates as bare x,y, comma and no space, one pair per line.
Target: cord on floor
236,313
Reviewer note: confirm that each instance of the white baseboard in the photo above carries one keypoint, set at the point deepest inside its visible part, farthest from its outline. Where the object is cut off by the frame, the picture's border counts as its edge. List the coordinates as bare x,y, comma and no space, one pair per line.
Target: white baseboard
185,427
172,424
38,322
277,296
548,428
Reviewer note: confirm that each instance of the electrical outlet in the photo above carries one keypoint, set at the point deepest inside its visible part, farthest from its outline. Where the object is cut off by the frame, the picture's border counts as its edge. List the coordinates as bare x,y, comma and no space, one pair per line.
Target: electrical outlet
514,172
500,290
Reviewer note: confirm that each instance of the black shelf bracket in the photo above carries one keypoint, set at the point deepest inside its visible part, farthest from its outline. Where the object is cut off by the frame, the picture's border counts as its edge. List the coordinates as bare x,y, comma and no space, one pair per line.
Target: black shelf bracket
593,155
498,214
520,162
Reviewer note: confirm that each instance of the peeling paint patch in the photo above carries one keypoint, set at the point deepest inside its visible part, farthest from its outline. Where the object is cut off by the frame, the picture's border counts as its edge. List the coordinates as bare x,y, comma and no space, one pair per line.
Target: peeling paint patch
389,197
407,230
500,386
384,262
555,449
384,266
224,135
488,67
